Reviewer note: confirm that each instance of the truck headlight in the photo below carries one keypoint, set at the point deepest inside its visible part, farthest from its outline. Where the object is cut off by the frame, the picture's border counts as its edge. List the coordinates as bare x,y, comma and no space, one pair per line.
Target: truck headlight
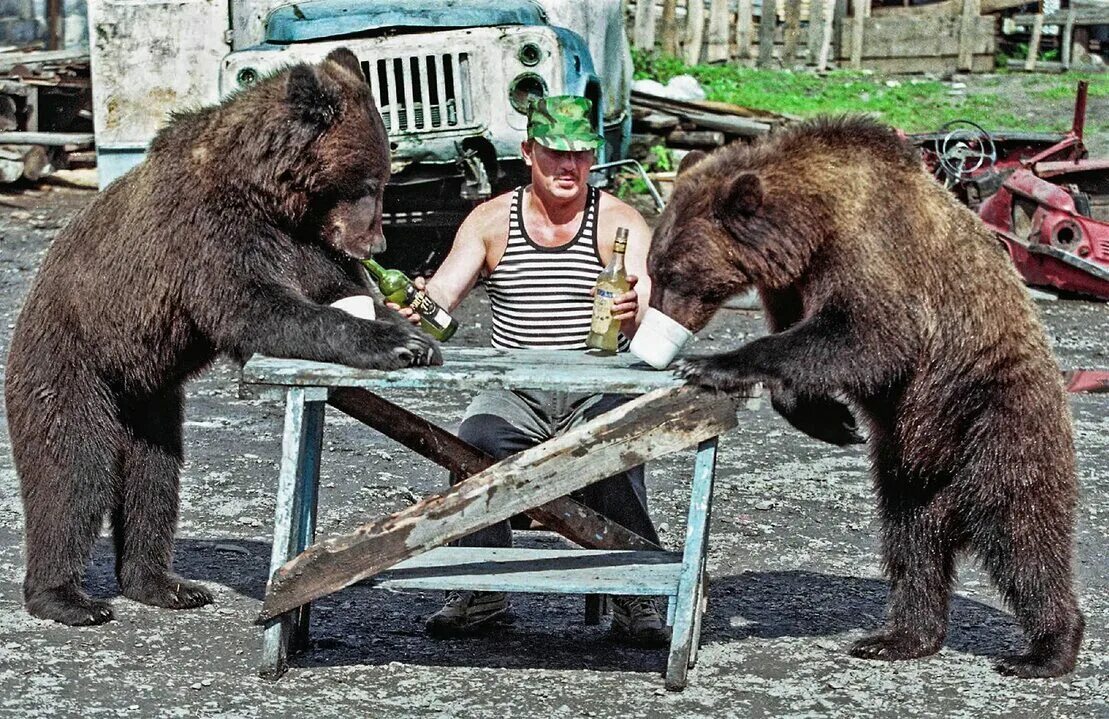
530,54
246,77
524,90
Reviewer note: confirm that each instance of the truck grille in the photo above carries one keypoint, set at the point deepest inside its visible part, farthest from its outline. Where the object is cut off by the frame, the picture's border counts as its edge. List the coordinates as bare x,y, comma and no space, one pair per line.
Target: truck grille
419,93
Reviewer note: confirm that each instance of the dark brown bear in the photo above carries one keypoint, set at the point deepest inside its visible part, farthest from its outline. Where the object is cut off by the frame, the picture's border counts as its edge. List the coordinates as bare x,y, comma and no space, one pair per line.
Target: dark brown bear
881,289
242,224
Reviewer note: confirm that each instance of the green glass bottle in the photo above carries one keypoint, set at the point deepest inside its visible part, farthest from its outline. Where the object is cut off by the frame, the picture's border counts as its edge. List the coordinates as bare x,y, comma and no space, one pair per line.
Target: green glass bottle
604,331
397,288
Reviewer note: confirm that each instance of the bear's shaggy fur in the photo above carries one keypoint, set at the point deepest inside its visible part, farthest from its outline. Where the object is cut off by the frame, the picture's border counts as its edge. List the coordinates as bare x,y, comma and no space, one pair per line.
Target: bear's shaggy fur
881,289
243,223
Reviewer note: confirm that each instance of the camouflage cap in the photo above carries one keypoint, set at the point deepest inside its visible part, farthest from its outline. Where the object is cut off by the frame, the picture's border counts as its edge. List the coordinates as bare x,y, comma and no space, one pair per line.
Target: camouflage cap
561,122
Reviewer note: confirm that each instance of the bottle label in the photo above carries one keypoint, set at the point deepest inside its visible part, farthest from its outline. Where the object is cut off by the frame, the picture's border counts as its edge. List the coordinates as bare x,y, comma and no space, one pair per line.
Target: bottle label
429,310
602,311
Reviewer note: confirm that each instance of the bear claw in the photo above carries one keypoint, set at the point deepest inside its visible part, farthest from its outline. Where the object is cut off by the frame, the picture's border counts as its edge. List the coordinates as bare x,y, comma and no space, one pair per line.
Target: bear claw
69,606
892,647
170,592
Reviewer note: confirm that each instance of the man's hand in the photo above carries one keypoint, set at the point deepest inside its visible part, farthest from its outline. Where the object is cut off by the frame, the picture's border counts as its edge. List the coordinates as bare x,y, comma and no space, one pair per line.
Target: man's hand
407,312
626,306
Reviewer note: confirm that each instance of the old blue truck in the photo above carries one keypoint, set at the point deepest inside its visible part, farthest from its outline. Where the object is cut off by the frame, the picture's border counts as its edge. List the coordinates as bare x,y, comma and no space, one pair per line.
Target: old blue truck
452,78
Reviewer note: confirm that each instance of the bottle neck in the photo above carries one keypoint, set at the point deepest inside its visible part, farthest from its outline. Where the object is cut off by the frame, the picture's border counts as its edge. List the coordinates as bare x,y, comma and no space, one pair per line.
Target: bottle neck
617,262
375,269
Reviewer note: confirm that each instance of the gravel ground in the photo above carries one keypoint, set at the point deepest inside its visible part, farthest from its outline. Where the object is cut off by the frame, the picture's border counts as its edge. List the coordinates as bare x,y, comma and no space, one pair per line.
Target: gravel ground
793,560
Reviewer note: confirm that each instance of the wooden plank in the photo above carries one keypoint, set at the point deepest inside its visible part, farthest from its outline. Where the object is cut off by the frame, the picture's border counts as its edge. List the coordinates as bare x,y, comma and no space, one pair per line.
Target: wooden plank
857,26
792,32
1055,67
544,571
695,139
768,20
743,27
645,428
718,49
694,37
585,376
670,27
54,139
967,32
570,518
644,35
1080,16
1034,43
657,122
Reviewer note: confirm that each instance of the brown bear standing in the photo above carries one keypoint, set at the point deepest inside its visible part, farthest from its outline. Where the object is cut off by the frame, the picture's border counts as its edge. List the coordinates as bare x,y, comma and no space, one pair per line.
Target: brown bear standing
881,289
242,224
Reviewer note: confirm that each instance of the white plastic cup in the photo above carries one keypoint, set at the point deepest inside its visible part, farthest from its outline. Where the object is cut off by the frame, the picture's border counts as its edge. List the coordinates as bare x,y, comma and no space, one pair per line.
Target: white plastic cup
361,306
658,339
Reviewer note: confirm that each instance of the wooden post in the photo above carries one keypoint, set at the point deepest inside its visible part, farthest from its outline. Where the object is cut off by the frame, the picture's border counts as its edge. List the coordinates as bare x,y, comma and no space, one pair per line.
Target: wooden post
968,26
645,428
816,29
644,38
838,16
768,22
670,27
55,24
718,32
829,30
694,30
743,22
1068,38
792,33
858,22
1034,43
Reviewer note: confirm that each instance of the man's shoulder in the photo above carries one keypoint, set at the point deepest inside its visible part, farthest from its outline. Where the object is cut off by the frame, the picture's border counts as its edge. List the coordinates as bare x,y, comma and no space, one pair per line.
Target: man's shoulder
613,209
491,216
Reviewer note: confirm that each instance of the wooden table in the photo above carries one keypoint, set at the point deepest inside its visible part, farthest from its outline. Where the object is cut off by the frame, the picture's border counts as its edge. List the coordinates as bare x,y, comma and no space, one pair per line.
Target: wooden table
406,550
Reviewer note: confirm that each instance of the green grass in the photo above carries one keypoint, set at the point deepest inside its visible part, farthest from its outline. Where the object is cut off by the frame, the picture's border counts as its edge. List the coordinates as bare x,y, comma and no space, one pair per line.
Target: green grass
913,104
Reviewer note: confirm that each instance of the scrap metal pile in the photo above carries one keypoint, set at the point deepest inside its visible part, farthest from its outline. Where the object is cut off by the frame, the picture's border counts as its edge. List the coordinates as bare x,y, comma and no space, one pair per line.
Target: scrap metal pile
45,113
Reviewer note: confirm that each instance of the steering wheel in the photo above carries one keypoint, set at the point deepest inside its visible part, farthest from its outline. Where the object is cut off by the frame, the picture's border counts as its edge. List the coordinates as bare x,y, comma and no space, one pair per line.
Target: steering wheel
966,148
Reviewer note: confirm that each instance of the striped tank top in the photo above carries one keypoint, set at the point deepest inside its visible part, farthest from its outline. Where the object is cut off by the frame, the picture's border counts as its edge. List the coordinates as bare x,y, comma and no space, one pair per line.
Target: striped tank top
539,296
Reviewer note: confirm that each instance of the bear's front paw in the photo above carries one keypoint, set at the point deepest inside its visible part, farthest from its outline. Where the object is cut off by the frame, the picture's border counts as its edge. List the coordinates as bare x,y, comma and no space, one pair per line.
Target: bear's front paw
168,590
402,346
418,350
894,646
68,606
711,373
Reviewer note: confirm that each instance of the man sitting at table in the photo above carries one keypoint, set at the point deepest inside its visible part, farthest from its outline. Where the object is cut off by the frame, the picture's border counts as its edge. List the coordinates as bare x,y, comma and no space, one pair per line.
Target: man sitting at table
538,251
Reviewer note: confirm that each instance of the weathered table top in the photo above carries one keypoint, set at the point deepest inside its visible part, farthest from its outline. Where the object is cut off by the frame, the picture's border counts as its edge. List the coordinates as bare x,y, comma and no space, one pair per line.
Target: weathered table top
476,368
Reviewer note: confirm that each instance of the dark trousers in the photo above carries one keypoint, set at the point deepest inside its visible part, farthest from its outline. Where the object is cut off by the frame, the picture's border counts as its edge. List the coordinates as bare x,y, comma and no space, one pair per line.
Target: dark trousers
502,423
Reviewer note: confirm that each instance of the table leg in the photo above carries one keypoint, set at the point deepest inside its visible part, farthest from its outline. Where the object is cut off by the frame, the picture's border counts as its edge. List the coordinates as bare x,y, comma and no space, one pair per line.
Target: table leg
295,517
687,603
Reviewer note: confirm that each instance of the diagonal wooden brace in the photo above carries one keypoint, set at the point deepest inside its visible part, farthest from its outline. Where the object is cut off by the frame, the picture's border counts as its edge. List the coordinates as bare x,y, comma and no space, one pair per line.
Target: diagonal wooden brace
647,427
570,518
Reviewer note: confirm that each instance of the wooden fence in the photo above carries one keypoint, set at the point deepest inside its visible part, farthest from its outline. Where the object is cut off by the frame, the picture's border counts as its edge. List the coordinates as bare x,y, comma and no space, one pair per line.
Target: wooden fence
948,35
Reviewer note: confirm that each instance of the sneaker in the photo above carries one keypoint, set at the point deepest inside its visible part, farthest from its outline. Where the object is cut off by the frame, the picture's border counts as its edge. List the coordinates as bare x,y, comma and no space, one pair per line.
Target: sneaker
636,620
464,612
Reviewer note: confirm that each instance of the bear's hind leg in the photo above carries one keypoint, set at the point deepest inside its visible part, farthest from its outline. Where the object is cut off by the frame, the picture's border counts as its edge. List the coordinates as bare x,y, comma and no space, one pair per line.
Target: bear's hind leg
146,516
919,553
65,451
1029,560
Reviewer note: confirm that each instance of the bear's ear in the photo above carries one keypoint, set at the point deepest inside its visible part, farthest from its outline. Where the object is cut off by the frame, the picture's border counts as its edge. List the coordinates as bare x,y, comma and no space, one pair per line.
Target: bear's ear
313,102
347,60
691,158
744,196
